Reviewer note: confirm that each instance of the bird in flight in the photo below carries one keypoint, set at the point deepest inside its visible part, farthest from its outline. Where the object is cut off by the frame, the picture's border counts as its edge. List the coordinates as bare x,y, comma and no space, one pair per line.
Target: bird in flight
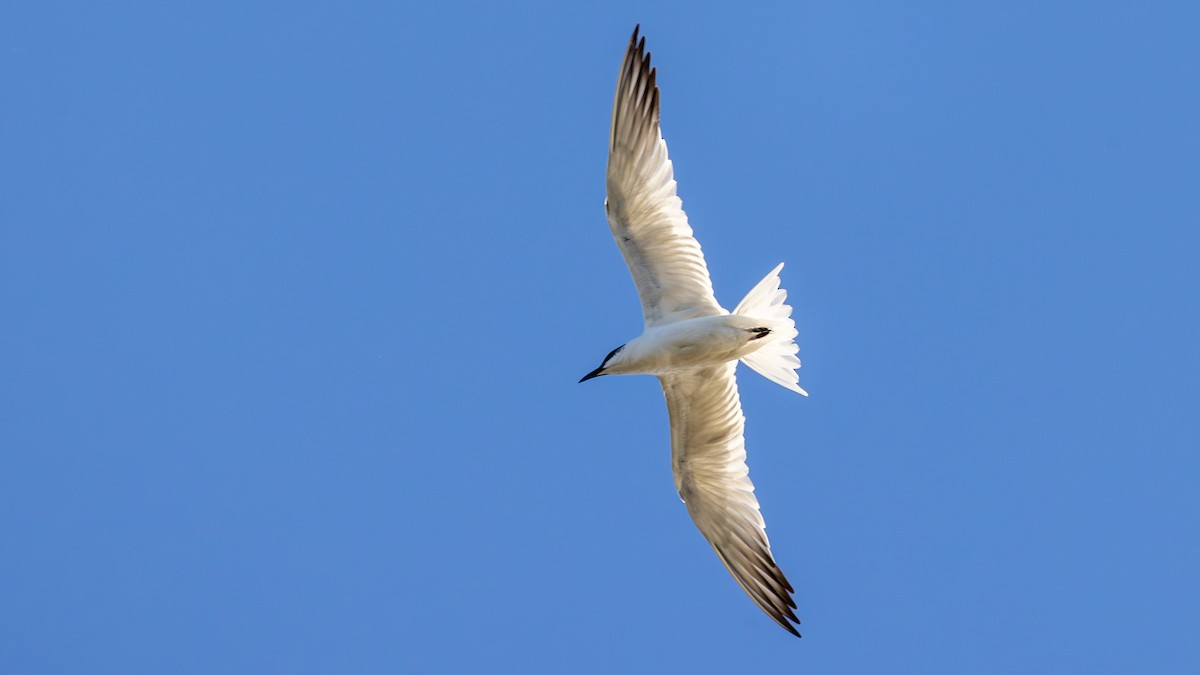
692,343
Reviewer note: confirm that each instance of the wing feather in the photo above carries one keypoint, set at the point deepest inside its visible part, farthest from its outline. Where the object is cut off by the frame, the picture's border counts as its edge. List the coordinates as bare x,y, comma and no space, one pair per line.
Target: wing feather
644,211
708,456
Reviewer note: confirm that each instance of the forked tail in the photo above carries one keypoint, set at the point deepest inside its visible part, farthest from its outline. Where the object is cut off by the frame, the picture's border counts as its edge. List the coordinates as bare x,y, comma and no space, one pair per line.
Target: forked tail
776,360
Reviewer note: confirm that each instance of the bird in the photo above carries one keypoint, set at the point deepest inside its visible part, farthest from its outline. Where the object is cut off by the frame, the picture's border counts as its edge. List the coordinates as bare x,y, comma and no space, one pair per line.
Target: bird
693,344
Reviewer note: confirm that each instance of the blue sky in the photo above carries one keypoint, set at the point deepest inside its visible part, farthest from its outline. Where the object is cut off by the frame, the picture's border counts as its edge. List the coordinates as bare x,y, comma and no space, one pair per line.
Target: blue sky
295,298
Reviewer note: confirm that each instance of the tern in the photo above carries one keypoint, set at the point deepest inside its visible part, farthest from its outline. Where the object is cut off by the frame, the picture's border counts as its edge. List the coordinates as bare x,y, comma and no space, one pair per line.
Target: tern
692,343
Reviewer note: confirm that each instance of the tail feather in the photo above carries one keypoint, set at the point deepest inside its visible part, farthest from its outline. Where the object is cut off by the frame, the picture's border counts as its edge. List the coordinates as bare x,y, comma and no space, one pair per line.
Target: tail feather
775,360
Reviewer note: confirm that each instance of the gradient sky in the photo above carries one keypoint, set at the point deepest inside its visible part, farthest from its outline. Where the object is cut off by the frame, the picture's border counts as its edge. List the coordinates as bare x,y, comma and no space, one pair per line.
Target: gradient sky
295,296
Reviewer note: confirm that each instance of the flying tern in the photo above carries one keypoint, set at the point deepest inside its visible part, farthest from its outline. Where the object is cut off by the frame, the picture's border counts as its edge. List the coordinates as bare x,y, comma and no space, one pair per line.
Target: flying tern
692,343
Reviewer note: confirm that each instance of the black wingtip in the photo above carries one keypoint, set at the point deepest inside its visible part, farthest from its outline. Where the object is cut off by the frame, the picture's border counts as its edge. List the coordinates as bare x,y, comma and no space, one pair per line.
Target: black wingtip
786,619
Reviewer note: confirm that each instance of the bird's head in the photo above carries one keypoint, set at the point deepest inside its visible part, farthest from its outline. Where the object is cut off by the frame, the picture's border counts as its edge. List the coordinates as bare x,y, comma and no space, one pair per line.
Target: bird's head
603,369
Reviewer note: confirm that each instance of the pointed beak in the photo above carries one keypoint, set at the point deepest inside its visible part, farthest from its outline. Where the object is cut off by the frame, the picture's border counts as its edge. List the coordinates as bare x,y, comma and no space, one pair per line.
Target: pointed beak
595,373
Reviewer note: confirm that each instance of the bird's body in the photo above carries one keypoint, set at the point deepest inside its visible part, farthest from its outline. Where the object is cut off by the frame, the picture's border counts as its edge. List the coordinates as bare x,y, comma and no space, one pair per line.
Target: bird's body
689,344
692,343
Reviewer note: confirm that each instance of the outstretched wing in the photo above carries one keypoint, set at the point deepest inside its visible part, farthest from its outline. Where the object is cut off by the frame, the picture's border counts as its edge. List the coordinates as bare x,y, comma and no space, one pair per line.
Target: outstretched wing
645,214
708,455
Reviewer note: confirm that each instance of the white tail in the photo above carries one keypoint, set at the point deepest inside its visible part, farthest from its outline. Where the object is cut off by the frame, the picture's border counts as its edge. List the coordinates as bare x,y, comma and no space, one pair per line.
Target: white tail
776,360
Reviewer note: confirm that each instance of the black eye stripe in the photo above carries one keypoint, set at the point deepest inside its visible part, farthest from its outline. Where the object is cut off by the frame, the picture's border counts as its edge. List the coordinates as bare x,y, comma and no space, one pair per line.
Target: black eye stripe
613,353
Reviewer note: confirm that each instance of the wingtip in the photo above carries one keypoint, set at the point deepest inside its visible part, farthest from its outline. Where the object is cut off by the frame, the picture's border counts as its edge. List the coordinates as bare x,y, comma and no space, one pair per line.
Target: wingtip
637,41
637,34
787,623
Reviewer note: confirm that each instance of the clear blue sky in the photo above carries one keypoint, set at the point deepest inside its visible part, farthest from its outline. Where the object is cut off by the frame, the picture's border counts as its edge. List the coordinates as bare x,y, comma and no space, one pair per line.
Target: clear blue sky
295,296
